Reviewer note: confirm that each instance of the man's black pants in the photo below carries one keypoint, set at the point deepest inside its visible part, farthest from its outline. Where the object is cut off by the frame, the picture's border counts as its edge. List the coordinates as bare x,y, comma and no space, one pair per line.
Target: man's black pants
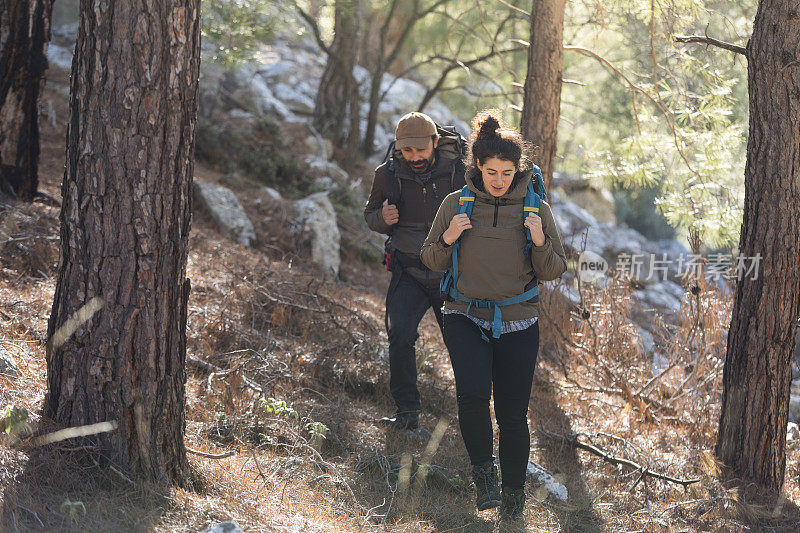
406,304
508,364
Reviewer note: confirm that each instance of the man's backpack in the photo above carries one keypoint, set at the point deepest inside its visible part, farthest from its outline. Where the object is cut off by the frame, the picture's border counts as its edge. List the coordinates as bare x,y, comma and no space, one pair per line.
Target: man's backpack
533,197
452,145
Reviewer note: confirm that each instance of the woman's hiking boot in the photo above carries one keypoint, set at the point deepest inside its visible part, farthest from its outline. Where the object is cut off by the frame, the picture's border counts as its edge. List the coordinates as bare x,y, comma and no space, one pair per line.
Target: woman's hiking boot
513,503
401,420
485,478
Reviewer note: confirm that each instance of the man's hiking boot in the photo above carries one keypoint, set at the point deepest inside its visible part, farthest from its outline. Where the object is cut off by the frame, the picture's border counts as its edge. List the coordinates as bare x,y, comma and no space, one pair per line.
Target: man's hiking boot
485,478
513,503
401,420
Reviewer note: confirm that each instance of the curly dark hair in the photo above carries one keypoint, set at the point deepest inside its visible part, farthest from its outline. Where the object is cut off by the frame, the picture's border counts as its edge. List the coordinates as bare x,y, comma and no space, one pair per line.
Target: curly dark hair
491,138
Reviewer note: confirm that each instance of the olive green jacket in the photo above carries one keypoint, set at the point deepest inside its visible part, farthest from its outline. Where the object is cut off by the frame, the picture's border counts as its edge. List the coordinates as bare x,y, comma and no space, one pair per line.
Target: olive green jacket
492,264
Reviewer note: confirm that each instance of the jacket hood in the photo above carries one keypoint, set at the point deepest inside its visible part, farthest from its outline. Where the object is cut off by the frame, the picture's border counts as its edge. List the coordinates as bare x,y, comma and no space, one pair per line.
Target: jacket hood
515,192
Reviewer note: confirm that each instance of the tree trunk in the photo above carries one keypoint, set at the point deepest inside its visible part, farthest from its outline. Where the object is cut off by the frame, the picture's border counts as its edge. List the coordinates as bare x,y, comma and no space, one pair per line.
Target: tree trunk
337,97
542,102
757,373
374,103
24,34
124,232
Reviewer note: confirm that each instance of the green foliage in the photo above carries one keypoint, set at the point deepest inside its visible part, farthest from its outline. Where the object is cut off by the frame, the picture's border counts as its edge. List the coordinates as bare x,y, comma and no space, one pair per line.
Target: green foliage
237,27
259,152
317,433
17,421
463,30
677,138
278,407
73,509
693,156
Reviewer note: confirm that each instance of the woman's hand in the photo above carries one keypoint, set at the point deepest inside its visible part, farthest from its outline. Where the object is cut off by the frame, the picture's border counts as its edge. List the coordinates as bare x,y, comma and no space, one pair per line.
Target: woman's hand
457,226
534,223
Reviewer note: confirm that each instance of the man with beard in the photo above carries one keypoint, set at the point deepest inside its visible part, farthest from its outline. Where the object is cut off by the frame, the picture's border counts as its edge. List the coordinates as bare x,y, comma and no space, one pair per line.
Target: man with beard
426,165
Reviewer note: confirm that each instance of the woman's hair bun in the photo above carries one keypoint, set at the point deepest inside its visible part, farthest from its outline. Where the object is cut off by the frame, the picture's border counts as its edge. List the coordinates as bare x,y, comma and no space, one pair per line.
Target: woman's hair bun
492,138
486,123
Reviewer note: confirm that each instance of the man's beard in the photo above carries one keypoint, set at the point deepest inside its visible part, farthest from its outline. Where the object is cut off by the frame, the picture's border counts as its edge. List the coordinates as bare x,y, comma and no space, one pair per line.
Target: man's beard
421,166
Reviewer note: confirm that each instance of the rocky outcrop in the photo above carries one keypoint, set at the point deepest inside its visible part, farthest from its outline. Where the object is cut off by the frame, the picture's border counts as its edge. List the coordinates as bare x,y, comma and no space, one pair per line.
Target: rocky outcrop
226,211
317,230
8,365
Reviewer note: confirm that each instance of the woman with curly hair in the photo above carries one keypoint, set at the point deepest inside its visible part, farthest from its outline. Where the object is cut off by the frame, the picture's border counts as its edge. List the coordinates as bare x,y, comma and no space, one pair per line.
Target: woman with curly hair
502,249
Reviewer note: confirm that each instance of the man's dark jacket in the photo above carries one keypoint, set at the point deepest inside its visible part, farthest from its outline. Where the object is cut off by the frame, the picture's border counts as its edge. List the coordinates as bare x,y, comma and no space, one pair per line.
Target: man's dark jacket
422,194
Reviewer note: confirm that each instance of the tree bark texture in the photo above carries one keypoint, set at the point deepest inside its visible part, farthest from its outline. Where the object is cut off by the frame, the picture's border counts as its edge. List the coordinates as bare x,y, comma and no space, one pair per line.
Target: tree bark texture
757,372
24,34
124,232
542,100
337,113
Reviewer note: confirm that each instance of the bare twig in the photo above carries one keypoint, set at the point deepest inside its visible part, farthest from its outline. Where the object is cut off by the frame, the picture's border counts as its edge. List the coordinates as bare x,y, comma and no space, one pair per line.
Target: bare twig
223,455
208,367
514,8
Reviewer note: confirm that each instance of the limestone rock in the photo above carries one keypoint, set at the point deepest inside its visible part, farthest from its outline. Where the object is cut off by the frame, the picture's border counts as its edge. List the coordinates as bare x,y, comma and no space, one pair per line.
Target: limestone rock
8,366
226,211
319,167
794,402
318,230
224,527
273,193
537,474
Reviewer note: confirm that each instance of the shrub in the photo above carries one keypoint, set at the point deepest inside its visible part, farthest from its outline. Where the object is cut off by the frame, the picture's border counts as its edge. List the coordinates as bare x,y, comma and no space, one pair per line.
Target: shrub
259,152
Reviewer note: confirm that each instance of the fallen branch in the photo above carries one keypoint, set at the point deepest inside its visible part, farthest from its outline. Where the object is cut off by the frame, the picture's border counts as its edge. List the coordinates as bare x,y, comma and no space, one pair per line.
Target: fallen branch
211,455
573,440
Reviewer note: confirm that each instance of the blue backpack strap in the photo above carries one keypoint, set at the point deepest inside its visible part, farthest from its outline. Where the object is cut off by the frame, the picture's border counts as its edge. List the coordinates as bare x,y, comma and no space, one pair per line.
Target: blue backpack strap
466,201
532,201
495,305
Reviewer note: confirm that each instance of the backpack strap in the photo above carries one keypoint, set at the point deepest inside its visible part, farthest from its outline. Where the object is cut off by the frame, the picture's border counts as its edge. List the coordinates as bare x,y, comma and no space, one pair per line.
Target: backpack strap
532,201
388,155
465,203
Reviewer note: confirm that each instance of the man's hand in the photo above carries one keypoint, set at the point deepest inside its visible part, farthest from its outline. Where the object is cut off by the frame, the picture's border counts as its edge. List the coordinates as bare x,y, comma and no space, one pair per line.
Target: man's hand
389,213
534,223
458,225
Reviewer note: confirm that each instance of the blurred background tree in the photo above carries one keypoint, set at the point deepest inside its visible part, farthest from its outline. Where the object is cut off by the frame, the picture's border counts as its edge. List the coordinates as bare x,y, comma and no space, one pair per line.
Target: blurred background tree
236,28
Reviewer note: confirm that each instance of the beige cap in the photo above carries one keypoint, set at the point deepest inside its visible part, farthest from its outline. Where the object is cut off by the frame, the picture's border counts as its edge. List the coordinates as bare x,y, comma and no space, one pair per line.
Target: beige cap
415,130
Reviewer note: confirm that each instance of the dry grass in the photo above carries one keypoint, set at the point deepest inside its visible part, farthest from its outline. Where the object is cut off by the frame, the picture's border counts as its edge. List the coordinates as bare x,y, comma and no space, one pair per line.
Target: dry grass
266,328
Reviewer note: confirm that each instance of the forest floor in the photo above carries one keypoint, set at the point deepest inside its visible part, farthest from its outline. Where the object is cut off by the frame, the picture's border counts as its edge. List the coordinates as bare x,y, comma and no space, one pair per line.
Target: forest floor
287,374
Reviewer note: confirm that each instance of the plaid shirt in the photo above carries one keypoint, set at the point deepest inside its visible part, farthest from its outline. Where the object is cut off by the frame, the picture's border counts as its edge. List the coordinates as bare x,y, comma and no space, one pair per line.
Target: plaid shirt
505,326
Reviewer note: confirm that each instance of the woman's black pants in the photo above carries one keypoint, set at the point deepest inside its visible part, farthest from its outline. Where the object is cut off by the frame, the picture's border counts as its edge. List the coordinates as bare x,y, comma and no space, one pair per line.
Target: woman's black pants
507,364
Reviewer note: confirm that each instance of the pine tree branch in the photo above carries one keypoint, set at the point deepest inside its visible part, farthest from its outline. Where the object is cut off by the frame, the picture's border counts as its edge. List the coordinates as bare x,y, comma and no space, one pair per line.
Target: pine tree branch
455,64
711,42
